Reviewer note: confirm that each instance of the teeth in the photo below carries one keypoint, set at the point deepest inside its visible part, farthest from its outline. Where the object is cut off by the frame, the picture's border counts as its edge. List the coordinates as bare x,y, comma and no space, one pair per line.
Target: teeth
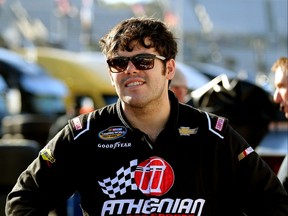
134,84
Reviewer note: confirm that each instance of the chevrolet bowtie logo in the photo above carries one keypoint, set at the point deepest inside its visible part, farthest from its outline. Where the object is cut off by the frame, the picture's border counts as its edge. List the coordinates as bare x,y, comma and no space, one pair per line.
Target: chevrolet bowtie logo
186,131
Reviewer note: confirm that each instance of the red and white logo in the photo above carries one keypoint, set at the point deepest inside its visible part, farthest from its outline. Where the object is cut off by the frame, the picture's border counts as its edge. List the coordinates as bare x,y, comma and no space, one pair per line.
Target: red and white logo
154,176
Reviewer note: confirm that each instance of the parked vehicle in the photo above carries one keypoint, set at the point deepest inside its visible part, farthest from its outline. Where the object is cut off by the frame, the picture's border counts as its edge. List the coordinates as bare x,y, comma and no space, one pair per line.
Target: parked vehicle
212,71
248,107
195,78
274,146
34,99
251,112
3,104
84,76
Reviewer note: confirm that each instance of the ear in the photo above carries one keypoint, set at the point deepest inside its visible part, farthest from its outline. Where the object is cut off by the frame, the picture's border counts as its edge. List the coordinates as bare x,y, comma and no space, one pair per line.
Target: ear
170,69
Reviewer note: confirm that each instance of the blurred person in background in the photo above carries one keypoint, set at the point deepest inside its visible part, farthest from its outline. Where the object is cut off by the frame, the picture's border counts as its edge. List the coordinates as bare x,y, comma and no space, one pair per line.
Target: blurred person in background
148,154
179,86
280,69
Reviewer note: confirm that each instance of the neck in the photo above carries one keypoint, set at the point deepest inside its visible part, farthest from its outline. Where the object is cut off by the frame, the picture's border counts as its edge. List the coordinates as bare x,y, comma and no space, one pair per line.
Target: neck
149,119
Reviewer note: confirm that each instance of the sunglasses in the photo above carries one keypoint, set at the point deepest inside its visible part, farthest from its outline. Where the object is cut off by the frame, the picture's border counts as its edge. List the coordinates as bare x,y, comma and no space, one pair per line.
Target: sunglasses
140,61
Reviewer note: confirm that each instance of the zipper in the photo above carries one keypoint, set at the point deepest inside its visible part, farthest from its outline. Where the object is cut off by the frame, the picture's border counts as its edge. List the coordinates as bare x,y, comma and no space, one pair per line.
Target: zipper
147,141
144,138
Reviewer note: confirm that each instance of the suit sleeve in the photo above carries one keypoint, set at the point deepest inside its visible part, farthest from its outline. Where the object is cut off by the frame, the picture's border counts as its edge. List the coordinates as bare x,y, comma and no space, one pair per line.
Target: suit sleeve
260,191
47,181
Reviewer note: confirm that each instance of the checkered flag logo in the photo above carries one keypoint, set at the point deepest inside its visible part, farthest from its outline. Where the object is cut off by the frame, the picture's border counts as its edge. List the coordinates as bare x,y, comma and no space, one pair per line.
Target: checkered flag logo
123,180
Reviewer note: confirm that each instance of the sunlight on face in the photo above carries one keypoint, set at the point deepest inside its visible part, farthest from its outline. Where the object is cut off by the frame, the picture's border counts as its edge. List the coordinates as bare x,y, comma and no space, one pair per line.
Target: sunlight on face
281,89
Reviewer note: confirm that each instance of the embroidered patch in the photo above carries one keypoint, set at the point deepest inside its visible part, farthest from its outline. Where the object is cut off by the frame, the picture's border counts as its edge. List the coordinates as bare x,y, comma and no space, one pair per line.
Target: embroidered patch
246,152
219,124
77,123
187,131
47,155
112,133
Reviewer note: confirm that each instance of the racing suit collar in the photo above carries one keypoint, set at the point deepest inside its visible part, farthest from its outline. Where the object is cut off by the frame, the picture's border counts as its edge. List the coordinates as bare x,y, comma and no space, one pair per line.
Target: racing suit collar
121,115
172,124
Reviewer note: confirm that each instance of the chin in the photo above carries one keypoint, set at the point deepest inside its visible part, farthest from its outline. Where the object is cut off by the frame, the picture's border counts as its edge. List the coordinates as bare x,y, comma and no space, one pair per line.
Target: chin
133,101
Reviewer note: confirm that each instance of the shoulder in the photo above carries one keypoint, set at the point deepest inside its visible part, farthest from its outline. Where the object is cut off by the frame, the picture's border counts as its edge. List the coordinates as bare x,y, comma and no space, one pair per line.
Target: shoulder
84,123
209,122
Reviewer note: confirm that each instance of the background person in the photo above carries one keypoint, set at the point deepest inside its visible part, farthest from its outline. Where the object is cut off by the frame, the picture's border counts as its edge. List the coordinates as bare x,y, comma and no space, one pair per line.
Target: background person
280,69
179,86
148,154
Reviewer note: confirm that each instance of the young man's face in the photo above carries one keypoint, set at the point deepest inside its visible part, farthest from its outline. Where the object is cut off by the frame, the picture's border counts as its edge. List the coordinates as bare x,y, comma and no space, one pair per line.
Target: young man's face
281,91
139,88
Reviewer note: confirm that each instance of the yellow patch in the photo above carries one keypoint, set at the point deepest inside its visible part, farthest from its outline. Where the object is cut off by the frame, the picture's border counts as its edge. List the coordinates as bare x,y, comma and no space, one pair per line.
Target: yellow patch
186,131
47,155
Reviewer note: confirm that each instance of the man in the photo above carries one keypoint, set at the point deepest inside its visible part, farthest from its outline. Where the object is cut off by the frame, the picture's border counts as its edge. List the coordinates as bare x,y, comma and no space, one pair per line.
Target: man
148,154
280,69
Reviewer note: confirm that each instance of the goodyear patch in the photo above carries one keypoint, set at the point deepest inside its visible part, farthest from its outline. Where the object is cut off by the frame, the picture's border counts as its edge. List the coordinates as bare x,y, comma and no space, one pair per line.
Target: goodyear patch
112,133
187,131
47,155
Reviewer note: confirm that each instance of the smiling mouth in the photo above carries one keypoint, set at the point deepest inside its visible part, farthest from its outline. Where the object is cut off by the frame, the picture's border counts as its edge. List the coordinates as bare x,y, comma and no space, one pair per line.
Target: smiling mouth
134,84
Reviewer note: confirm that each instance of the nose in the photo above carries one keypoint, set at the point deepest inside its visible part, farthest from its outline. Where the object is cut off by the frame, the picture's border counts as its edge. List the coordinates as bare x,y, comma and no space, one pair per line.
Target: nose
130,68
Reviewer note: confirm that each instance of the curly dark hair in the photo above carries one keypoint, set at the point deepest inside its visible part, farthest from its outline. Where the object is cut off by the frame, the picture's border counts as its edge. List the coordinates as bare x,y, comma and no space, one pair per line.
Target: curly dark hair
139,29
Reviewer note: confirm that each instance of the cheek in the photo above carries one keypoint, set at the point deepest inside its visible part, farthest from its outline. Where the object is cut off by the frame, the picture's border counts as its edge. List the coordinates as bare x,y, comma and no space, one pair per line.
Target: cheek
112,79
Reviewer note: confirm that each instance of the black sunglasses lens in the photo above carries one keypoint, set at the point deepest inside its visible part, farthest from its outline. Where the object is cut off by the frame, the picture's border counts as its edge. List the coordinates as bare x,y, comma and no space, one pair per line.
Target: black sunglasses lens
118,64
143,62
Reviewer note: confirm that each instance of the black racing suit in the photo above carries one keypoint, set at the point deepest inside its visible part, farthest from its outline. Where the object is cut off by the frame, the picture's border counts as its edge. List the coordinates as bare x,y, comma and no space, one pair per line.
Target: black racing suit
198,166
